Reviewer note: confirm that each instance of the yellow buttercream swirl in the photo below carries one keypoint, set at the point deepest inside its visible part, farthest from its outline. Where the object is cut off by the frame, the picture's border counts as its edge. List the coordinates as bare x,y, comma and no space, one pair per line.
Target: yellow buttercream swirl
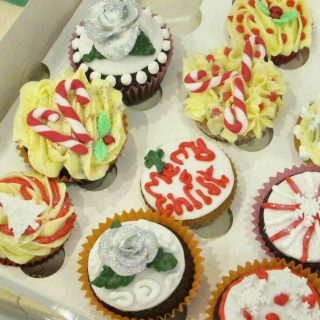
49,158
209,106
279,39
26,248
308,133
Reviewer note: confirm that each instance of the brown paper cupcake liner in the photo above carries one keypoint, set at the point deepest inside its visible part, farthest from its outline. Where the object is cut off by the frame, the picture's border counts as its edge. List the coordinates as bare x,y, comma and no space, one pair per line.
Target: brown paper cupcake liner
255,266
135,93
176,226
64,175
260,198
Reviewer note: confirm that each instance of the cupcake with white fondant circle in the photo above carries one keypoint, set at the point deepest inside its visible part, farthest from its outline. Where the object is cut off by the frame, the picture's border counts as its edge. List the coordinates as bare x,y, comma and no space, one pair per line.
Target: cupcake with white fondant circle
129,46
140,266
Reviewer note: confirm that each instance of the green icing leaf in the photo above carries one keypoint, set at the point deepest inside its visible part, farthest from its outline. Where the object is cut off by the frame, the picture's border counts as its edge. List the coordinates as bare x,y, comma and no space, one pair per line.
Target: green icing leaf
153,158
110,280
287,17
263,7
94,54
104,125
116,224
164,261
143,46
100,150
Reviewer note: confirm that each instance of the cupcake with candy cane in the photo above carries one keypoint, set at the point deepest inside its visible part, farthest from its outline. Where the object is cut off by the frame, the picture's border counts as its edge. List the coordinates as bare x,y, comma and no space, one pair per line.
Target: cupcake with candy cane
130,47
70,129
233,96
284,25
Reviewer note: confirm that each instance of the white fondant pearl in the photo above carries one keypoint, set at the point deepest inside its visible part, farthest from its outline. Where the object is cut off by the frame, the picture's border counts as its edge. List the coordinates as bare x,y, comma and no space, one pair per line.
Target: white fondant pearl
165,33
153,67
75,43
126,79
112,80
166,45
162,57
159,19
95,75
141,77
147,11
146,291
76,57
84,67
122,299
79,30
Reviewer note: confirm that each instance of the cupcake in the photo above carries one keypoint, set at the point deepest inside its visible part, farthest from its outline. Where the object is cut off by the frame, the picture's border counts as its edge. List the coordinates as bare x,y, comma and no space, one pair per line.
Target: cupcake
287,213
36,218
233,97
70,129
284,25
130,47
190,180
307,134
140,266
270,290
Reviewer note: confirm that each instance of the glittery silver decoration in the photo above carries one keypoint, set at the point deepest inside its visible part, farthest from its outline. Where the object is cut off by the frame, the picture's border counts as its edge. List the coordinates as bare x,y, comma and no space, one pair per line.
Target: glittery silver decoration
113,26
127,250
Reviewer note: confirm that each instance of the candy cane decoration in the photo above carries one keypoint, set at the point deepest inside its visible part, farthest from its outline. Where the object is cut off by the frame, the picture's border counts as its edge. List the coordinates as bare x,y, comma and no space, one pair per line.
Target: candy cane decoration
62,91
33,121
235,117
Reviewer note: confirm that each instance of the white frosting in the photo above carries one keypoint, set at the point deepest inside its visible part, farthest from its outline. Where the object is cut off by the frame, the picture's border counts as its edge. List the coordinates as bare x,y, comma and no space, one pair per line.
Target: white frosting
276,220
130,64
162,57
159,19
221,166
126,79
141,77
95,75
303,153
75,43
153,67
149,288
84,67
147,11
257,297
21,213
112,80
79,31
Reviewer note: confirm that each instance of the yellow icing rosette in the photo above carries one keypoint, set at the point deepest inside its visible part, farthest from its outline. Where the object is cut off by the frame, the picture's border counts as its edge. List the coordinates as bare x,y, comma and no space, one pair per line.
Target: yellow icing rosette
56,160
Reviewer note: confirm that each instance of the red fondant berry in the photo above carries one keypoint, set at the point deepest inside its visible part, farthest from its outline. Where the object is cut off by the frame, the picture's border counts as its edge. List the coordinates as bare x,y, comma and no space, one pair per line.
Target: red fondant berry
247,314
255,31
284,38
215,70
303,36
230,18
262,274
311,299
276,12
240,28
240,18
304,21
108,139
227,51
210,57
272,316
281,299
290,3
226,96
216,112
246,37
273,97
252,3
270,31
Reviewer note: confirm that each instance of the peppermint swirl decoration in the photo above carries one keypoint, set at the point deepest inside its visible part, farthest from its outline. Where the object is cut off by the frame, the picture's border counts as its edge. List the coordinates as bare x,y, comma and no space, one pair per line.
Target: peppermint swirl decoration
127,250
113,26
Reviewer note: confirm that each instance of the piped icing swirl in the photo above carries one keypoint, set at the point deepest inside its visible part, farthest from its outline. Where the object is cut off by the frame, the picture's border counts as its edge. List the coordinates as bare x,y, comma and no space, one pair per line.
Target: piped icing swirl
54,224
49,157
248,18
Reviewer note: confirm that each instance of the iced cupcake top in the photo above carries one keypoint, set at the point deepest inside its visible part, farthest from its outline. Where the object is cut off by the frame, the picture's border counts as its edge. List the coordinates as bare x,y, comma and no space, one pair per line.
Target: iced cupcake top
284,25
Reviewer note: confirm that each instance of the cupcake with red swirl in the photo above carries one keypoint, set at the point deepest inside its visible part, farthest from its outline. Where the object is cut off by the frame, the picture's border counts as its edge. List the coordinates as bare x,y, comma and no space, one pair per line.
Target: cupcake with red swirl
36,218
128,46
284,25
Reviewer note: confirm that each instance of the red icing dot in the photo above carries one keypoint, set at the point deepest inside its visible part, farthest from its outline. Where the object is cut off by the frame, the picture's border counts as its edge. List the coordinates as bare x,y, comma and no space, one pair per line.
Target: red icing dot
261,106
311,299
262,274
269,3
215,70
284,37
216,112
273,97
304,21
240,18
272,316
230,18
251,17
210,57
247,315
240,28
299,8
255,31
303,36
226,96
276,12
246,37
269,30
257,54
227,51
290,3
252,3
281,299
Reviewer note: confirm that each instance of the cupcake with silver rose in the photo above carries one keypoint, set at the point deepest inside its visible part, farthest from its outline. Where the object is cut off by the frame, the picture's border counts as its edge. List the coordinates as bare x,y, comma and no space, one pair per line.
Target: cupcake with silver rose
140,266
129,46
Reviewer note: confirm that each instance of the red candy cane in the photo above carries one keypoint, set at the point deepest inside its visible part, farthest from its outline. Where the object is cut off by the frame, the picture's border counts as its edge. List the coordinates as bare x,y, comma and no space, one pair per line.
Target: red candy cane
62,91
33,121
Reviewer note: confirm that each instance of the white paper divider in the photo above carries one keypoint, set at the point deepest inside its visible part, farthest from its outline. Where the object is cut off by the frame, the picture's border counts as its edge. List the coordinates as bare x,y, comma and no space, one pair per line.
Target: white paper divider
153,127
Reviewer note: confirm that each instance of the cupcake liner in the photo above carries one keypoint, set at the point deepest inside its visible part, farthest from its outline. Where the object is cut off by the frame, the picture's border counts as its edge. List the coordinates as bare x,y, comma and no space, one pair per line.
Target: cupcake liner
262,194
282,59
176,226
135,93
255,266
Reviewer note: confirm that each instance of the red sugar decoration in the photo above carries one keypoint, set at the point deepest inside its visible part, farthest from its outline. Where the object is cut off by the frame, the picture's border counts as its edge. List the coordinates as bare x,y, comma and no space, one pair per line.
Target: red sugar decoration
272,316
273,97
255,31
230,18
262,274
276,12
247,314
227,96
281,299
284,37
251,17
108,139
252,3
216,112
240,18
311,299
215,70
290,3
303,36
240,28
227,51
210,57
299,8
257,54
261,106
304,21
246,37
270,31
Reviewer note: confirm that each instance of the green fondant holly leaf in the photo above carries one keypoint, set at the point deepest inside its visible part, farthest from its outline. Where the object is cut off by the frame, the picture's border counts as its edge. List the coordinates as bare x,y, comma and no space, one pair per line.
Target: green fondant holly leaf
164,261
104,125
94,54
143,46
116,224
263,7
287,17
100,150
153,158
110,280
